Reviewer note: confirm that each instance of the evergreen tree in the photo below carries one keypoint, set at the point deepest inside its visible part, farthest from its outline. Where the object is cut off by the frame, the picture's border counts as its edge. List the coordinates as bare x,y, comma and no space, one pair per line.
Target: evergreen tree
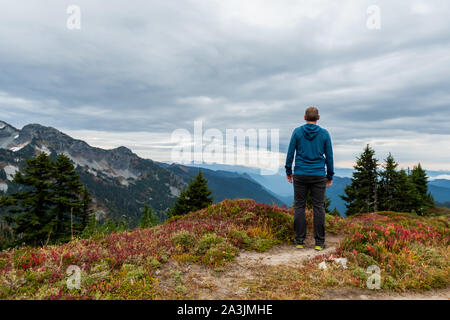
149,217
29,209
86,210
51,204
424,200
406,194
117,225
419,177
195,197
94,229
67,191
91,227
361,194
387,195
6,234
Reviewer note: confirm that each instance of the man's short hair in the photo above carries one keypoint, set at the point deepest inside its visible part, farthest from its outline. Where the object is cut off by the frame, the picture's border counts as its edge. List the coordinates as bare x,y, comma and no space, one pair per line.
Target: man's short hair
312,114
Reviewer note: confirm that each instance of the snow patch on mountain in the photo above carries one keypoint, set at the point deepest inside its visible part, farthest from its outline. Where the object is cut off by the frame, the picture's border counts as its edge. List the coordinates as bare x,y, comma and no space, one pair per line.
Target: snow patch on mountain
174,191
3,187
124,182
19,147
93,172
44,149
10,172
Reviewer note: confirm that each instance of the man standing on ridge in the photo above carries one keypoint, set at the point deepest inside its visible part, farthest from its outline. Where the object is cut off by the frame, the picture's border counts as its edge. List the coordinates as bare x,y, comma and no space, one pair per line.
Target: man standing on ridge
313,150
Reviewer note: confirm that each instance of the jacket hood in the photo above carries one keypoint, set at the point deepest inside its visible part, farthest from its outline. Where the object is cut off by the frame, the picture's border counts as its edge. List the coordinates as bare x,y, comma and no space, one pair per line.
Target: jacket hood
310,131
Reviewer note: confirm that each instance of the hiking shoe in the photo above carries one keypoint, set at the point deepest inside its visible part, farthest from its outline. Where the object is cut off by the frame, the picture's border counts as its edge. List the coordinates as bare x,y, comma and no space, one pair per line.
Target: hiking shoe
319,248
299,246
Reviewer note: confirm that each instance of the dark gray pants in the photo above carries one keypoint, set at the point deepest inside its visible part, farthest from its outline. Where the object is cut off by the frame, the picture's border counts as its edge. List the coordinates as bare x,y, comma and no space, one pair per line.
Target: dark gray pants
317,186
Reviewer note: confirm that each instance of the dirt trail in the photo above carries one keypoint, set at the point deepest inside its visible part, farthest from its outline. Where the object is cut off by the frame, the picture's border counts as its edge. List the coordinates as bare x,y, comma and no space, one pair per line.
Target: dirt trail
228,282
286,254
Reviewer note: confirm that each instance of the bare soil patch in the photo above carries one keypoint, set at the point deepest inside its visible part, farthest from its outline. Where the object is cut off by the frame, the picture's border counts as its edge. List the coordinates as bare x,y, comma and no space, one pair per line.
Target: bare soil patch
287,254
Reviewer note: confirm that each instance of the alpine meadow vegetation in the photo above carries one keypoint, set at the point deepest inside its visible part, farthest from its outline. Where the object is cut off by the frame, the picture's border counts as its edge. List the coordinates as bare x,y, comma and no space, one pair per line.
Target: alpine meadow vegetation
411,251
389,227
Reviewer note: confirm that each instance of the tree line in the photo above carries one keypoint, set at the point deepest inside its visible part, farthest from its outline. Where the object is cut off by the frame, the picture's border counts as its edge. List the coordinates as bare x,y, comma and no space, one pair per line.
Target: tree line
376,187
52,205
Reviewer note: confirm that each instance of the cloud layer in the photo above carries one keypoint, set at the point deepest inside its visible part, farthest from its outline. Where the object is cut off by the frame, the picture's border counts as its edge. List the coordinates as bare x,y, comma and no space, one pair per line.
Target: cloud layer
137,71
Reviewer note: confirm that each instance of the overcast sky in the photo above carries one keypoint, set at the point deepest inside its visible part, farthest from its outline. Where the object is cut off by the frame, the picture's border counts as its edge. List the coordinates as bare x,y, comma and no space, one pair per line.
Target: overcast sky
137,70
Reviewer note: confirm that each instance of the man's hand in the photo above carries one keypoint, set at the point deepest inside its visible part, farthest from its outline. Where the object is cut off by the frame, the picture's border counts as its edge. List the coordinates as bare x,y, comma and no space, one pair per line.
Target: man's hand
329,183
289,178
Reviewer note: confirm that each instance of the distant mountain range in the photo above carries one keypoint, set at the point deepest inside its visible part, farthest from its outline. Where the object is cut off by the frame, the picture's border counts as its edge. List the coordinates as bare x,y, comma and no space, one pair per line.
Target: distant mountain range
440,189
119,180
226,184
277,184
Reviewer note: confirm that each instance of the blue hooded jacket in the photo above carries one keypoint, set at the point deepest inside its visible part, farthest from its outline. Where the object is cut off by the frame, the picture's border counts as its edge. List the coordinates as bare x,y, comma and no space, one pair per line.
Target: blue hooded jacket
313,150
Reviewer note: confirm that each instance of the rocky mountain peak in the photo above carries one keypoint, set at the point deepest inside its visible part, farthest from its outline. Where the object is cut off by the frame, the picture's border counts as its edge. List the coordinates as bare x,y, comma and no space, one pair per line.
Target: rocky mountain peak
4,125
43,133
7,134
123,150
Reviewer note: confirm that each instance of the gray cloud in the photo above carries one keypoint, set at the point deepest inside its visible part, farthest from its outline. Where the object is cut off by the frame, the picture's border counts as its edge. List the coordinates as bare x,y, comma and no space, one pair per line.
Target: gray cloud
153,66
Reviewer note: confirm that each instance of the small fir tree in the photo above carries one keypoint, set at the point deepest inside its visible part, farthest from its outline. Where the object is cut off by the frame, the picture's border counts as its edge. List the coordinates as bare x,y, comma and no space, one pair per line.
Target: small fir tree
361,194
387,195
149,218
195,197
424,199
